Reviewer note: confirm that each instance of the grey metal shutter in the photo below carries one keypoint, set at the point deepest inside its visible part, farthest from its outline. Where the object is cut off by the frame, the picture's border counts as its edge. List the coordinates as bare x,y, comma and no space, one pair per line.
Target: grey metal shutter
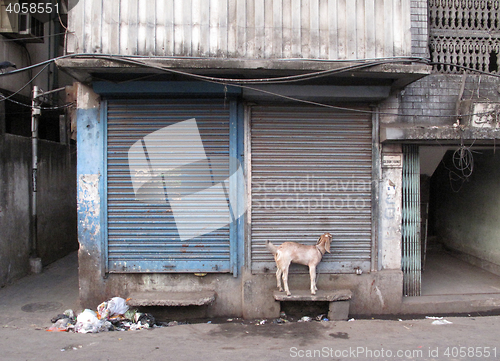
142,236
311,174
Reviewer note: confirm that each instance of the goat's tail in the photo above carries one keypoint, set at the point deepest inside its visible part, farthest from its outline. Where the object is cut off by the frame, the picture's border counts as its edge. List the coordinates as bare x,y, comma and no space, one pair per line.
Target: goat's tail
271,247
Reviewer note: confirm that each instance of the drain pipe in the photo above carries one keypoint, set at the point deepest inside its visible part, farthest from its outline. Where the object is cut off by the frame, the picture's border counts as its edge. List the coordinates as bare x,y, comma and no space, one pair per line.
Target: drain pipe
35,260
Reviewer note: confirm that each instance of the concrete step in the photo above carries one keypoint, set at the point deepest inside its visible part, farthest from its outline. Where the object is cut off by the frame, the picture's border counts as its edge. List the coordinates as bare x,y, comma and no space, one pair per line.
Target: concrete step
321,295
157,298
338,300
450,304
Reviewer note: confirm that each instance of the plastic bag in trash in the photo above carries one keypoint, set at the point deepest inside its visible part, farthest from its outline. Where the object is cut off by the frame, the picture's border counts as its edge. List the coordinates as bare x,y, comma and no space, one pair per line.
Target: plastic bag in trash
63,322
305,319
87,322
115,306
58,317
62,325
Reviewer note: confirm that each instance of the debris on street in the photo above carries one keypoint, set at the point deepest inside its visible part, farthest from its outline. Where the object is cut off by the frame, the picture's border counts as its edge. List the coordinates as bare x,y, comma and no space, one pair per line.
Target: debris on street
280,320
112,315
115,315
116,306
438,320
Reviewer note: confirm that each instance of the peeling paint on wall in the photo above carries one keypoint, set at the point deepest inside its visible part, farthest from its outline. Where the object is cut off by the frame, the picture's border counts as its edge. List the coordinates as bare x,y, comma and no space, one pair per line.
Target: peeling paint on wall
390,211
89,206
87,99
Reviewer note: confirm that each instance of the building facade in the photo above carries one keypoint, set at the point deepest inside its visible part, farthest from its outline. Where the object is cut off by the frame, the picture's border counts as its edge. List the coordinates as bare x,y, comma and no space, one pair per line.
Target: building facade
26,40
205,128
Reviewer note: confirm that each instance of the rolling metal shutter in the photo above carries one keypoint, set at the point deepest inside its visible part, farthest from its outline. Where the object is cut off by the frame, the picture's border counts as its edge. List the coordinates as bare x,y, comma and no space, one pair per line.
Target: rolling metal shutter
142,236
311,174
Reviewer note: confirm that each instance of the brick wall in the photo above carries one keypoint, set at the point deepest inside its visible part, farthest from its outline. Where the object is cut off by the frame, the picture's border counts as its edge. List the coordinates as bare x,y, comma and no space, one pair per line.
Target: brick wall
437,95
419,28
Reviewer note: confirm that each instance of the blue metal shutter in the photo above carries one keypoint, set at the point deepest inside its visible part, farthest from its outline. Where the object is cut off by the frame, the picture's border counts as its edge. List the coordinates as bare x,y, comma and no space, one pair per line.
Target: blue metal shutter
312,173
141,236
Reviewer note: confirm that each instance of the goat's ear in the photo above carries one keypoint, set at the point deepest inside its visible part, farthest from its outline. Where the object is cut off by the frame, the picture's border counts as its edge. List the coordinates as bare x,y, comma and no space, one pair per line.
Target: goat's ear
327,246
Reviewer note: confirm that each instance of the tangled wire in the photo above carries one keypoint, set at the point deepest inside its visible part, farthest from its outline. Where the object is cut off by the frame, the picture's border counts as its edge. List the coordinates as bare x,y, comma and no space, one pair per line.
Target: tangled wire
463,161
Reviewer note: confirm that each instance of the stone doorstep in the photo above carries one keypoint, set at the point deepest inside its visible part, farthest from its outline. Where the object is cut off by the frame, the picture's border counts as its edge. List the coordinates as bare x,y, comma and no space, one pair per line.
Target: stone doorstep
321,295
157,298
338,301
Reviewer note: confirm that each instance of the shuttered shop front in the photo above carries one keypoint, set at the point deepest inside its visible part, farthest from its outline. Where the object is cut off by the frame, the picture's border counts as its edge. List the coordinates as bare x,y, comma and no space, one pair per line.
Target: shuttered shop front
311,173
145,229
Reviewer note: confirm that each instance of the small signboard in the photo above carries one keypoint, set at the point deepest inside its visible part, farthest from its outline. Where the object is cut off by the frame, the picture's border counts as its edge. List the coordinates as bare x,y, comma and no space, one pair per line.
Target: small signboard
392,160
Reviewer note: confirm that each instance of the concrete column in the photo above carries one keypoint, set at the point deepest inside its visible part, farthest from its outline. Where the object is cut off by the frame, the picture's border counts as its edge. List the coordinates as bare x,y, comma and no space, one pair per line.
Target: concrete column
90,192
390,208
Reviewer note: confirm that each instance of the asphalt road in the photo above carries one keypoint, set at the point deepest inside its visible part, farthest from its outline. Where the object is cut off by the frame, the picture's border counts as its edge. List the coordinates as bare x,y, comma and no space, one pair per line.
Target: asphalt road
466,338
27,306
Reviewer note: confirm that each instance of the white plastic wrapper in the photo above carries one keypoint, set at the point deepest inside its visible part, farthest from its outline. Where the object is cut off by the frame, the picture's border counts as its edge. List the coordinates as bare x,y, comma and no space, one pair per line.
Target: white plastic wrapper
115,306
87,322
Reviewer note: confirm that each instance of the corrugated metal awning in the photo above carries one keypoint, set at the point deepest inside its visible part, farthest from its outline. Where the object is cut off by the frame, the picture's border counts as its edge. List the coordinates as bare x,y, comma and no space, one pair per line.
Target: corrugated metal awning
311,173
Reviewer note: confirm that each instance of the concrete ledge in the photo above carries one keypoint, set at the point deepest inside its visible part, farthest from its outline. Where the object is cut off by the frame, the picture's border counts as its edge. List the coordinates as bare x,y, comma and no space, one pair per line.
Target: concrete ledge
154,298
339,300
450,304
424,133
305,295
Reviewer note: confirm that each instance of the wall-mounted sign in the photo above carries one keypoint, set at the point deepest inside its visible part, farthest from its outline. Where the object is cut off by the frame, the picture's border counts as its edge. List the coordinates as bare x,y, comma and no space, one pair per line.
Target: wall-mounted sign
392,160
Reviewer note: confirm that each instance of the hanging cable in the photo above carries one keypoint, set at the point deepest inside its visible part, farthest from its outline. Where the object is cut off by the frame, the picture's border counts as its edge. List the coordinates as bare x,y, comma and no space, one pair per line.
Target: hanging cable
243,83
32,37
463,163
24,86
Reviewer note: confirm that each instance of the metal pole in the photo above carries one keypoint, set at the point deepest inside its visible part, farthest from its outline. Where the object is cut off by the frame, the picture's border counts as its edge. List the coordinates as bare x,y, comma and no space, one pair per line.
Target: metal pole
35,261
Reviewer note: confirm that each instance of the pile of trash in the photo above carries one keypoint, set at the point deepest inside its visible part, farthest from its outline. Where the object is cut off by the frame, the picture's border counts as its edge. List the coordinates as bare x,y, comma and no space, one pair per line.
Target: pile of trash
285,319
112,315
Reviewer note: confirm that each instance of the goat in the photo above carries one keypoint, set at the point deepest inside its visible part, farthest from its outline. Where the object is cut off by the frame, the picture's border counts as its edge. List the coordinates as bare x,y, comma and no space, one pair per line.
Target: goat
307,255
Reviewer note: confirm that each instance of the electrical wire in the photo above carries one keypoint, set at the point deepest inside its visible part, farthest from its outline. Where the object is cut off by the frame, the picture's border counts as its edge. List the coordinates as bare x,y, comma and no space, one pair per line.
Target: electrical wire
463,162
242,83
275,80
63,106
136,60
482,72
24,86
4,40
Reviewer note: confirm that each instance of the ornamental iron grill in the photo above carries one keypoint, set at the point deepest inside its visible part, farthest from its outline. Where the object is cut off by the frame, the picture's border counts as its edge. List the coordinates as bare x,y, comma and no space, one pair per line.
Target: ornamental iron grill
465,33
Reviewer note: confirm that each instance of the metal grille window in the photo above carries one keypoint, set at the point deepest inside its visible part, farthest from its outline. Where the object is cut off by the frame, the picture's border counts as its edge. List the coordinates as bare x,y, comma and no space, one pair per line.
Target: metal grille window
465,33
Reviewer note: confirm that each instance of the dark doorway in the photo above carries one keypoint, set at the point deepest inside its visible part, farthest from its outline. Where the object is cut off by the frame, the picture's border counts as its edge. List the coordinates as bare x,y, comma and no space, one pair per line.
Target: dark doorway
460,193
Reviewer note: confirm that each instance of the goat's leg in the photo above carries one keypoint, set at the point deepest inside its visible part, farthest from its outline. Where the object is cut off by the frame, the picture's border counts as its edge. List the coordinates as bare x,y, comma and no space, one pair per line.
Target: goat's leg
312,273
285,279
278,279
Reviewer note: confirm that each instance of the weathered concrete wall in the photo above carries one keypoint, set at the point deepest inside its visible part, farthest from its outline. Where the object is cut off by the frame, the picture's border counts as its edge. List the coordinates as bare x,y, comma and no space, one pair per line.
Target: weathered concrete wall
432,101
249,296
15,158
389,227
15,52
56,204
375,293
90,188
57,234
468,220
